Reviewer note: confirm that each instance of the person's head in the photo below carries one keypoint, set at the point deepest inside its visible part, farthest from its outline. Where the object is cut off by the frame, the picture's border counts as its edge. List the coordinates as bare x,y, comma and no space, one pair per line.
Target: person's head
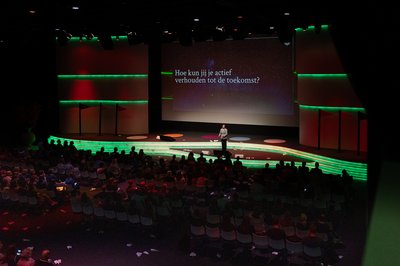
223,125
303,217
26,253
344,172
45,254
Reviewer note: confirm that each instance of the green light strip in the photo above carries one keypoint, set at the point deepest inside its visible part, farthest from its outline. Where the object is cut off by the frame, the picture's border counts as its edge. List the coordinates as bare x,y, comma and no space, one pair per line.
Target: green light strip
95,38
102,76
323,27
332,108
167,98
78,39
167,73
159,148
69,102
338,75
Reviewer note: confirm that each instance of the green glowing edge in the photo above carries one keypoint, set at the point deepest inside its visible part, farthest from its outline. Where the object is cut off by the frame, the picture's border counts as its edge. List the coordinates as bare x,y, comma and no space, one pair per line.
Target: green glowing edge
94,39
102,76
323,27
332,75
158,148
167,73
332,108
74,102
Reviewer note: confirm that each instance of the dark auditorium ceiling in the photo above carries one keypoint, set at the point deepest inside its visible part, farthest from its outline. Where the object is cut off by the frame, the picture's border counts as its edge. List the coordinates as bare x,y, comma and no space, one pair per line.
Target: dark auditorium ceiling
119,16
175,14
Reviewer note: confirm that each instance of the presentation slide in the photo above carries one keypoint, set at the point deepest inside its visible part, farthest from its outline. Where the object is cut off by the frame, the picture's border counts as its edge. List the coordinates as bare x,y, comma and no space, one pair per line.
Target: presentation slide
246,82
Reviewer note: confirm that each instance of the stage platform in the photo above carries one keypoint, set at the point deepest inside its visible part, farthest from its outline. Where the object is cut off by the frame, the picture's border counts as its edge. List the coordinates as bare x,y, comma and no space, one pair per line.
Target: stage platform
253,150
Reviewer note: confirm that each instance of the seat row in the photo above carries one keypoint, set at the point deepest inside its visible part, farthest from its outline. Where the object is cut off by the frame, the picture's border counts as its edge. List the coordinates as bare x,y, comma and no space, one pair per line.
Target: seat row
311,246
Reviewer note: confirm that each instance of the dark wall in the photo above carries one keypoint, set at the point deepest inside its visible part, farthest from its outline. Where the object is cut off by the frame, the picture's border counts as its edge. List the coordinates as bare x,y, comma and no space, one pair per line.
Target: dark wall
367,44
29,95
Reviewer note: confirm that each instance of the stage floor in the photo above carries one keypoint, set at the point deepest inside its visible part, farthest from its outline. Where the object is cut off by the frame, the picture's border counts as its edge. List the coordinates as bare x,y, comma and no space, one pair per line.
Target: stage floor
253,150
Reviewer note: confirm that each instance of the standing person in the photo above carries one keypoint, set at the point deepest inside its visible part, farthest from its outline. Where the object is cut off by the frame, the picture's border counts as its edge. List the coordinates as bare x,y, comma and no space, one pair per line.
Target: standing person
223,135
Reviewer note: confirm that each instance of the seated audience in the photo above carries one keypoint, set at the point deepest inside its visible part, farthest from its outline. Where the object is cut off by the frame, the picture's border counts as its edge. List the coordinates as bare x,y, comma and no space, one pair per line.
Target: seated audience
44,259
25,258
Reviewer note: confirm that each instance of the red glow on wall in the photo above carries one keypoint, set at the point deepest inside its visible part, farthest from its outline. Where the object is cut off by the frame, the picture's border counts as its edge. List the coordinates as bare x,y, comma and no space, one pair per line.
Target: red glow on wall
329,129
83,90
309,128
91,58
313,51
349,131
82,51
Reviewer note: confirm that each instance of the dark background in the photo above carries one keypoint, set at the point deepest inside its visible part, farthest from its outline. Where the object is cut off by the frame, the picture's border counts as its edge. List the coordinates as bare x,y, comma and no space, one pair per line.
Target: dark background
364,36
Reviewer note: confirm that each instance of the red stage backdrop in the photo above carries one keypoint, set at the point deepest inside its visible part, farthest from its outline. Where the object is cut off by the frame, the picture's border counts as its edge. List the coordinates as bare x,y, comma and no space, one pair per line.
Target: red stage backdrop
119,84
316,54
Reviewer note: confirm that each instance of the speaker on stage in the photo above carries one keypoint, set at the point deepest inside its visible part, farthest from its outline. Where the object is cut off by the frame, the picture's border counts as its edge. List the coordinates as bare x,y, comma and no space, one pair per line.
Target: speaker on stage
167,138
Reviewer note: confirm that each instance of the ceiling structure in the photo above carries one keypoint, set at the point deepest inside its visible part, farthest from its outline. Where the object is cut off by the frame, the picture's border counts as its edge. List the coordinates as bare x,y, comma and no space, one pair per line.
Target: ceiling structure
177,16
169,18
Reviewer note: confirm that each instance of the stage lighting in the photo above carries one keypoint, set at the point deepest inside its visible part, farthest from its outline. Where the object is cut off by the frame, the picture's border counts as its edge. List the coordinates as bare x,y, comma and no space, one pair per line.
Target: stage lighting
285,35
270,30
62,37
89,36
219,33
134,38
168,36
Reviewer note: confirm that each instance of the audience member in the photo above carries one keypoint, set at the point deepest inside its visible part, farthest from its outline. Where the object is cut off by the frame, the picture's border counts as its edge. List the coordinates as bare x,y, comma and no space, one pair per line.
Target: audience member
44,259
25,258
